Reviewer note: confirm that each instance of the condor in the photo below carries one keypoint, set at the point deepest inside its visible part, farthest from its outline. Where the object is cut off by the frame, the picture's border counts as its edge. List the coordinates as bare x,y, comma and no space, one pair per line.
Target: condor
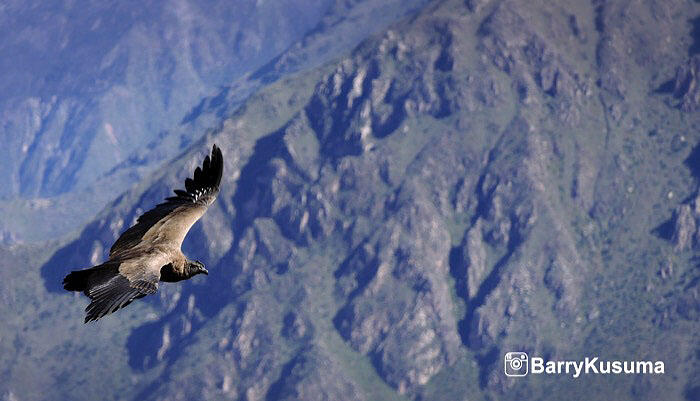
149,251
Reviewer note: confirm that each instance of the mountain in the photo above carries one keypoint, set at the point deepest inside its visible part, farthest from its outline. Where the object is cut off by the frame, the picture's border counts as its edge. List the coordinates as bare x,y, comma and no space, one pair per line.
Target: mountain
104,79
97,96
87,85
482,177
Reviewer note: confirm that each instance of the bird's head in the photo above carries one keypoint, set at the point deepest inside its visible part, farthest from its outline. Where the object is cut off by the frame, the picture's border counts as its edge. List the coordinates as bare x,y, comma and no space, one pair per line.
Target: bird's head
196,267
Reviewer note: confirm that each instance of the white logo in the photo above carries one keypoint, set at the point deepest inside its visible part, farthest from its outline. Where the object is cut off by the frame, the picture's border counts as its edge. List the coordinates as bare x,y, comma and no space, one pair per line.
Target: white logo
516,364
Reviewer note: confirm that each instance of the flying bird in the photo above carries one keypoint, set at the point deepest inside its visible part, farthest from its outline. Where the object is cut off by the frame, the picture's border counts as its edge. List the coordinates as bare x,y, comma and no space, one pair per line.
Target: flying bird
149,251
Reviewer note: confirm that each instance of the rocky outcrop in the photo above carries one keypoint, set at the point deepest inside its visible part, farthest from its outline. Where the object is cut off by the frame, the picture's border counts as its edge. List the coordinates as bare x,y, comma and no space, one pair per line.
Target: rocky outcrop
399,310
686,85
686,234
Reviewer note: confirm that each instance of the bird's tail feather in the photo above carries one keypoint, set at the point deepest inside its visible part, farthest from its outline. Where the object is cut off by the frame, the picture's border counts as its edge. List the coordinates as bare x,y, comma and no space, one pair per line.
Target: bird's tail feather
78,280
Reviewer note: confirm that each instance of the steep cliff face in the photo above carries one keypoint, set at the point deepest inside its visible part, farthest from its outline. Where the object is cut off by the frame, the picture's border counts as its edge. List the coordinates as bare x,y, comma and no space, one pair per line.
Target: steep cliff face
484,177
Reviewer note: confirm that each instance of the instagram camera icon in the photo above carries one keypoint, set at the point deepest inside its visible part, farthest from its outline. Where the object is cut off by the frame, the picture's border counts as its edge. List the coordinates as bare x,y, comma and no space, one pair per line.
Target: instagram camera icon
516,364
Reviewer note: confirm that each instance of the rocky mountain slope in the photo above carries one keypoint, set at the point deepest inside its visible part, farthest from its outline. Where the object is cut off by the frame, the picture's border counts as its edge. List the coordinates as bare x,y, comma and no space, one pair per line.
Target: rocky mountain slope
485,177
95,81
86,85
97,96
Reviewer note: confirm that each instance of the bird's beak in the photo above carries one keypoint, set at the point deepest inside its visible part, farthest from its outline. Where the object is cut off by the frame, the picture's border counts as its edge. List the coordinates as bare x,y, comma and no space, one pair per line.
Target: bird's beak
205,271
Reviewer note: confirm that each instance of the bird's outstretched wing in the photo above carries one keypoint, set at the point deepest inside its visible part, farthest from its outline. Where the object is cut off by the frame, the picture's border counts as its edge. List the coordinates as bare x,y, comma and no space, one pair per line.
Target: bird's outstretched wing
169,222
110,290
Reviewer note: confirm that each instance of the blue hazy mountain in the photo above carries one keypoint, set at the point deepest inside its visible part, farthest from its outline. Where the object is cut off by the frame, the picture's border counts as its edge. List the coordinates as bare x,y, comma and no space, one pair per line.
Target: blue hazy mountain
95,96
